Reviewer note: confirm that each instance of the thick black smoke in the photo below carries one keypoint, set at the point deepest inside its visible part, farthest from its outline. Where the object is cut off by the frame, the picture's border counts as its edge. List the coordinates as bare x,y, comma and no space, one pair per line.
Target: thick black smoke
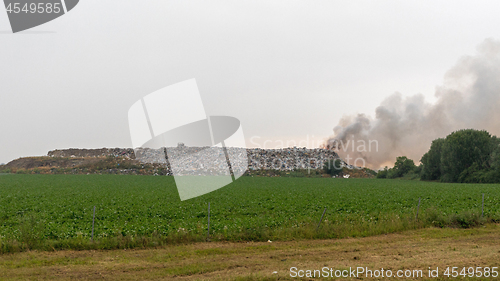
468,98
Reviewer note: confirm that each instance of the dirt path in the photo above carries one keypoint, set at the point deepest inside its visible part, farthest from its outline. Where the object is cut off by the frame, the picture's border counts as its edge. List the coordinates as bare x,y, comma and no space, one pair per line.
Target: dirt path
412,250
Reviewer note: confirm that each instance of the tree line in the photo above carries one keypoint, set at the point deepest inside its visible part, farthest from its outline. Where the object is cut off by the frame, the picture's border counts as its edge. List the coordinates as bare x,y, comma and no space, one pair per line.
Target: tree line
465,156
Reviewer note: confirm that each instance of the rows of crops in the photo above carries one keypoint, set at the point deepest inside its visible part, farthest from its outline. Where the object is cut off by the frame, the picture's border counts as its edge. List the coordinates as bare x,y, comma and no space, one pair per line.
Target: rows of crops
143,205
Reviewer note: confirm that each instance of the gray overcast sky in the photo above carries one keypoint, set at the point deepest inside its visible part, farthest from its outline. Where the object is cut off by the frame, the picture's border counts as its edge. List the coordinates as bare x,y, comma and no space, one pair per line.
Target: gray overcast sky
286,69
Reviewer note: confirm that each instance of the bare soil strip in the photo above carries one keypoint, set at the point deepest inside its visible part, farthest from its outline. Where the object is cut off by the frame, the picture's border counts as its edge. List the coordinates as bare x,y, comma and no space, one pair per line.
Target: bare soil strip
420,249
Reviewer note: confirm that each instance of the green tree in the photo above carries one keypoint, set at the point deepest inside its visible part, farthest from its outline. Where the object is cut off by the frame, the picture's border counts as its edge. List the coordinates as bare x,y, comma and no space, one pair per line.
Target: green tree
493,174
402,166
431,161
333,167
463,149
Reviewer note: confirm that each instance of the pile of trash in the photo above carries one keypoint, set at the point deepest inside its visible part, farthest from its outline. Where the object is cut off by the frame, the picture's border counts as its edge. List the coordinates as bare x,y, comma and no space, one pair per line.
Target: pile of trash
285,159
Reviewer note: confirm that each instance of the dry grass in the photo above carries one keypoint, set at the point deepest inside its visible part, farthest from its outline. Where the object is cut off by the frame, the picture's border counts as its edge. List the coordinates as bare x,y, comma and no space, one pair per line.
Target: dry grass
418,249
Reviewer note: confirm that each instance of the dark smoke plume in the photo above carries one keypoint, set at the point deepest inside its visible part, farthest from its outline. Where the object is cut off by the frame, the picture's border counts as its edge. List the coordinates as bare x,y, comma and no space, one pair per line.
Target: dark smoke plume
468,98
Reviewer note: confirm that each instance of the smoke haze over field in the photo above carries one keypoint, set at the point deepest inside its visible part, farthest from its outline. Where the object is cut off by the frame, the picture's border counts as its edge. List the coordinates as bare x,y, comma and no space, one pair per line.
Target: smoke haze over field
468,98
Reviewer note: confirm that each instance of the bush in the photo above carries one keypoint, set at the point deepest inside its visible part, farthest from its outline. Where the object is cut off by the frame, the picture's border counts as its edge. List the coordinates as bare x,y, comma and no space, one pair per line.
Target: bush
412,175
466,220
333,167
382,174
433,217
462,220
4,170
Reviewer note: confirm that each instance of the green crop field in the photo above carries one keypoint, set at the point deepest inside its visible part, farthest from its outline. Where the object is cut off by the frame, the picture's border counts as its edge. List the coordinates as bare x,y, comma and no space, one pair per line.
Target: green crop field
55,211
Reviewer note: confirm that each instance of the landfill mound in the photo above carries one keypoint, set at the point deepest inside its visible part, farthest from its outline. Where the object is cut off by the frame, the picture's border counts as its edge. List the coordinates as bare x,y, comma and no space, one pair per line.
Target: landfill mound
292,161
